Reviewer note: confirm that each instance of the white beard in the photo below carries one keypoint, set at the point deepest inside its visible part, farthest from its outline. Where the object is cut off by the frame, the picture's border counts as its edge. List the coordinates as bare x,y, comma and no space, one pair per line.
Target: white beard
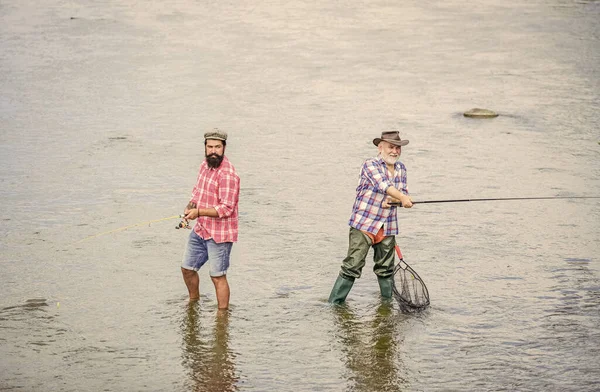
390,160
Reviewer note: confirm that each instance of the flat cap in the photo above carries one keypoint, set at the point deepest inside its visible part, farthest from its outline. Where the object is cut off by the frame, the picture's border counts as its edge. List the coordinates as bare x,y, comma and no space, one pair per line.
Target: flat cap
216,134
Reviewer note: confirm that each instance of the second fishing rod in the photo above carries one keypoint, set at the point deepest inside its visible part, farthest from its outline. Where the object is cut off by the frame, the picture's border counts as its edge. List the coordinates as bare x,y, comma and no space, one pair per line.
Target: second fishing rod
399,204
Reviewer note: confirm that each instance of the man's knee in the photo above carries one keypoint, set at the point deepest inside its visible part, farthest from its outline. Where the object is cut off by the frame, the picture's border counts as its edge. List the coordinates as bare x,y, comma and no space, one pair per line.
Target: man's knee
219,279
188,273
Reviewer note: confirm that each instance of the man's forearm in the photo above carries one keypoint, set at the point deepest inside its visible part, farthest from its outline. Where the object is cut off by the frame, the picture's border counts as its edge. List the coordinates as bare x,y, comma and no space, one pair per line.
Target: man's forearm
396,194
210,212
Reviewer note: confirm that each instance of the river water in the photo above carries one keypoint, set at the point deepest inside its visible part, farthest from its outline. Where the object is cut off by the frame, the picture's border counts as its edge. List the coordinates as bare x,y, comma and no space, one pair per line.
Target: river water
102,111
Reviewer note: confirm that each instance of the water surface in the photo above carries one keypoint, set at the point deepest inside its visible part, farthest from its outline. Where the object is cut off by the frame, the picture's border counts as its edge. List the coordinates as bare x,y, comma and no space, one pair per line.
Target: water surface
102,113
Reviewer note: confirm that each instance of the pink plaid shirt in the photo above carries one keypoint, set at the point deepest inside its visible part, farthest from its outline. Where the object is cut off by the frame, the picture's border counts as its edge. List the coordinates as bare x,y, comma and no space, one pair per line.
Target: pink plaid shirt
218,188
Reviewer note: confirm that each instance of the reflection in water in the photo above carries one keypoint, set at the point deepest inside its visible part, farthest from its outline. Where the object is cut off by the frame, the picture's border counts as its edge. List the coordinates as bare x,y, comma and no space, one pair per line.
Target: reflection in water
206,355
577,297
371,350
42,327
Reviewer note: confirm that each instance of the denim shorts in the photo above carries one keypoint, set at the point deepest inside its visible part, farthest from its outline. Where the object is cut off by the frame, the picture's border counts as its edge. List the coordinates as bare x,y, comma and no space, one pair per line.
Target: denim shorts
198,251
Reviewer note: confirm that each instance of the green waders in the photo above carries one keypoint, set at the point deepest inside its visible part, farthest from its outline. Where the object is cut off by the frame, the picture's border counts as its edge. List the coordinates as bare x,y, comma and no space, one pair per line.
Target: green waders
340,290
383,257
385,286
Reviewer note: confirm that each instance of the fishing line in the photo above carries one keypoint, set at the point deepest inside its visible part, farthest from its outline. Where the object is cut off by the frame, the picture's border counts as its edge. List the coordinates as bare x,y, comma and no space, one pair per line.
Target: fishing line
399,204
130,226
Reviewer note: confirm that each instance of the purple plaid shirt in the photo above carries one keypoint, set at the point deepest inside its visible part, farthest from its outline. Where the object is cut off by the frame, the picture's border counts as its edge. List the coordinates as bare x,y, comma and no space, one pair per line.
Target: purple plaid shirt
367,213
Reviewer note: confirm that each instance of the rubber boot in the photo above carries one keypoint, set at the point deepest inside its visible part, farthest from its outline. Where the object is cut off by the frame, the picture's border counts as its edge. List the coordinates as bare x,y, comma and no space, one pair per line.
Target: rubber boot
340,290
385,286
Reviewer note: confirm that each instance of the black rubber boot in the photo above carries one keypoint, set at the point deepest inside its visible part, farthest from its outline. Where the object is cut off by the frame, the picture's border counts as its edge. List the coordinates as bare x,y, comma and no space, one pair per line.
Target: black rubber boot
385,286
340,290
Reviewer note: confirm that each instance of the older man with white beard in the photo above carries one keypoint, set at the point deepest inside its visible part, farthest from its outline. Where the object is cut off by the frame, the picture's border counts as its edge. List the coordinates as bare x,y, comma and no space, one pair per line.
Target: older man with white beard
374,223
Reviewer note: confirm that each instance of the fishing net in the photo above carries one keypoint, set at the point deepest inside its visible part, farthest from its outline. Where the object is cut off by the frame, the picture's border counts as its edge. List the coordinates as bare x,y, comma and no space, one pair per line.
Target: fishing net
409,289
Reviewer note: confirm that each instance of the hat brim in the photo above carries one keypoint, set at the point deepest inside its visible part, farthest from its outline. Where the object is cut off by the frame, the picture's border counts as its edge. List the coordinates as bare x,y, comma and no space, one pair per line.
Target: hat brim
400,143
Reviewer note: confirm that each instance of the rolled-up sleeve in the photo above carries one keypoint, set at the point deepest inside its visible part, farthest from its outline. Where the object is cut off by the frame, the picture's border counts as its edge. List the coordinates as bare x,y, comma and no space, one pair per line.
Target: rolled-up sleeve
229,193
374,174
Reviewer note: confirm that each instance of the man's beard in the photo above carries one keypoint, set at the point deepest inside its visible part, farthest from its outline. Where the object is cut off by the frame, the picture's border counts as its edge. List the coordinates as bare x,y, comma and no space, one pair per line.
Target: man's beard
390,160
214,160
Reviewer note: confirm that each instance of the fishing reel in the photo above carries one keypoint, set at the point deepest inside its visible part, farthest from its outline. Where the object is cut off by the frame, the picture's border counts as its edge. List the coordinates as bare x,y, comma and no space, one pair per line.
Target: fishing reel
184,224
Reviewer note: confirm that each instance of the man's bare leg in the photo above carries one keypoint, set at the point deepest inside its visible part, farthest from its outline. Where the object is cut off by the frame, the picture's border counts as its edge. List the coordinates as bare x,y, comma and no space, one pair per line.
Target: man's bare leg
222,291
192,281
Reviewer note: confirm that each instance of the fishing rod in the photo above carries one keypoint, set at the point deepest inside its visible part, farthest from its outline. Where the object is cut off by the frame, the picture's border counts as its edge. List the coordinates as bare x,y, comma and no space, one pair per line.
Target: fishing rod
399,204
184,224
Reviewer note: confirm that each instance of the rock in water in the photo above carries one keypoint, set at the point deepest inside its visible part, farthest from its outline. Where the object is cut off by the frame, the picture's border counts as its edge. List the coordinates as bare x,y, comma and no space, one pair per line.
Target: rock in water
480,113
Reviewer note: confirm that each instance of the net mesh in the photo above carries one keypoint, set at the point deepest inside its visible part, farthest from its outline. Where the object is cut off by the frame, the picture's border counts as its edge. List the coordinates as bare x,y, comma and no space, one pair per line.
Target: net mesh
409,289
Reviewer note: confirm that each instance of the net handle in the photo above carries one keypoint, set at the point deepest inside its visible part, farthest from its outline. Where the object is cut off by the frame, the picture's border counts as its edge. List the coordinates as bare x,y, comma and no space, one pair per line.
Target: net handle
399,252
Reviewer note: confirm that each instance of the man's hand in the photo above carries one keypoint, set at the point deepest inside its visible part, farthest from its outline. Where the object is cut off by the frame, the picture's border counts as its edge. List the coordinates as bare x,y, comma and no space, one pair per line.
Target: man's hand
406,201
401,197
389,202
192,214
191,206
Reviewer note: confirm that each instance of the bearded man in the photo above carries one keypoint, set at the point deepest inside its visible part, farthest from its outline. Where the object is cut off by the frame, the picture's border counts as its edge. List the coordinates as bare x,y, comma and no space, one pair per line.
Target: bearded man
374,223
214,203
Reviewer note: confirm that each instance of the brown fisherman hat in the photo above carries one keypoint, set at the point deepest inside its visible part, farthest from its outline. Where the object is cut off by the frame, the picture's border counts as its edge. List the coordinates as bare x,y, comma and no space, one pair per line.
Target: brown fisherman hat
392,137
216,134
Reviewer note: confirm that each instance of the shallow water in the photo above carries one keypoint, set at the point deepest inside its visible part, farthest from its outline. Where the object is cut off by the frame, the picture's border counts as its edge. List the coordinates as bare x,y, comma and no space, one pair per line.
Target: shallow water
102,113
